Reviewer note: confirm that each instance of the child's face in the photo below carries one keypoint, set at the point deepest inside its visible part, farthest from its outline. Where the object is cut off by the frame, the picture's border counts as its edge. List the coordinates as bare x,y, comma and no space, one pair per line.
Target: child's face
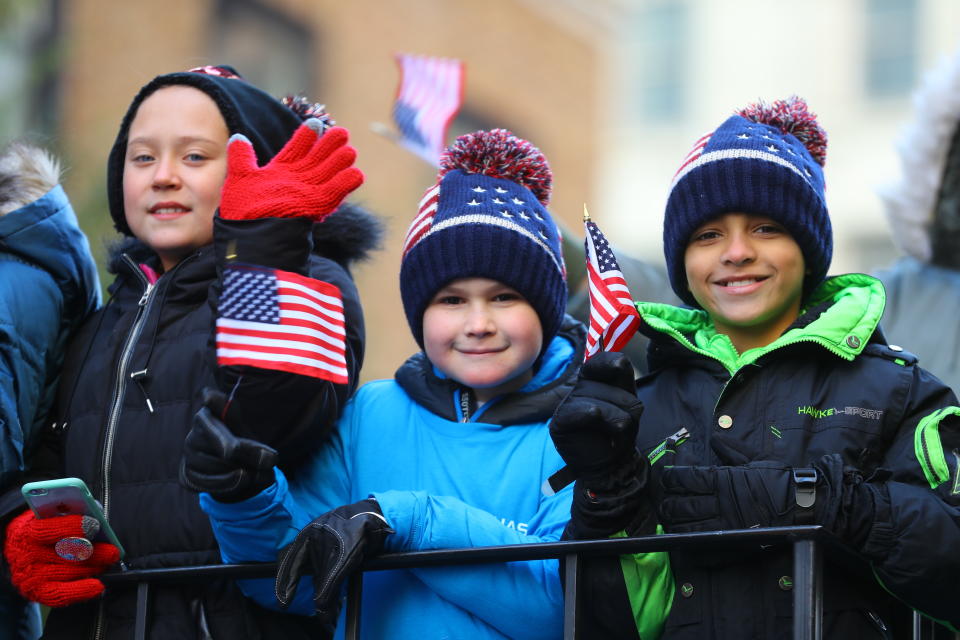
174,169
482,334
747,272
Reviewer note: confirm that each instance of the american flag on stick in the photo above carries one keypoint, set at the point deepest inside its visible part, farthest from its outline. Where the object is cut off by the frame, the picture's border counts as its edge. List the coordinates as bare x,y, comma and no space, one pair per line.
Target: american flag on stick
283,321
613,316
428,98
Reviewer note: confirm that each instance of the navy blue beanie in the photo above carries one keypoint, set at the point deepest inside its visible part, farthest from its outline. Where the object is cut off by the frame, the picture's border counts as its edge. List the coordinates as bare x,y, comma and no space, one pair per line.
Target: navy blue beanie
486,218
266,121
766,160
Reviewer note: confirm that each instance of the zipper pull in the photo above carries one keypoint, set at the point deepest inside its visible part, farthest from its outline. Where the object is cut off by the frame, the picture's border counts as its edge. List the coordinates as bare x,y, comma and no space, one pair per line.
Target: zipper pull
146,294
140,377
683,434
464,405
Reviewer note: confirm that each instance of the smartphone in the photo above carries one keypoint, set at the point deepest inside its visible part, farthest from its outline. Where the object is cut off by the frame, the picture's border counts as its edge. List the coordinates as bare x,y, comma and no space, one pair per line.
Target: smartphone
68,496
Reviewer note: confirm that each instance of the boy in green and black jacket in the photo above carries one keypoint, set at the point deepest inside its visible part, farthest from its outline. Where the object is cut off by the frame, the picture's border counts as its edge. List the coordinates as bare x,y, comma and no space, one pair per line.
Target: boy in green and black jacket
774,400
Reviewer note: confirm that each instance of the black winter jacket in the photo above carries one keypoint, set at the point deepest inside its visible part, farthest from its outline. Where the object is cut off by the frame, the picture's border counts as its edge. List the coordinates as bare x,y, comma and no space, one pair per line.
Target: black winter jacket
154,343
830,384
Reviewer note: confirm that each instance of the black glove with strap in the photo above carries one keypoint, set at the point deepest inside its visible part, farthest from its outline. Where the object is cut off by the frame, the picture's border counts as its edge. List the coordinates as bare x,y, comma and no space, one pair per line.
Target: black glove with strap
595,430
768,494
331,547
229,468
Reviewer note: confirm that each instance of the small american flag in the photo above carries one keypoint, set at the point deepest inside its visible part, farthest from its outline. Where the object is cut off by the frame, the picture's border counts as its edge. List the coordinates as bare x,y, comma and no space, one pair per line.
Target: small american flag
280,320
428,99
613,315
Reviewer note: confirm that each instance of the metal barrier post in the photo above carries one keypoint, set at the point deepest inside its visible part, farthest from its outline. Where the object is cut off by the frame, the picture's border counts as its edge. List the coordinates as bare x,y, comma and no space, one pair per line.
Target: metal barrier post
807,591
354,598
571,596
143,601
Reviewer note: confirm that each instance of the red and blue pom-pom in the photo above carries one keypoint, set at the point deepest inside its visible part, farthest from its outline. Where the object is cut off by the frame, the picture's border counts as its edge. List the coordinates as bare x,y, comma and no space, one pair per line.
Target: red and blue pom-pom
791,116
500,154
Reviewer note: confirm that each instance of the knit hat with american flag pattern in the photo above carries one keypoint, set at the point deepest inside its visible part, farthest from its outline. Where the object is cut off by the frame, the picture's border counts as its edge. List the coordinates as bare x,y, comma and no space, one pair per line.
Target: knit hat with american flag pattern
765,160
486,217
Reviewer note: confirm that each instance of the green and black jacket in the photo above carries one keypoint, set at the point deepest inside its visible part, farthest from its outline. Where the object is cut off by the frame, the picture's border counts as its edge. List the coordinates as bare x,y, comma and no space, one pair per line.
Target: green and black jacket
829,384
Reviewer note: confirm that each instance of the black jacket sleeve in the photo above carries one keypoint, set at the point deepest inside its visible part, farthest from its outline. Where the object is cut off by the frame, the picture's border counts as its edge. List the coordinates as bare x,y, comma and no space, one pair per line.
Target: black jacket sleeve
292,413
912,543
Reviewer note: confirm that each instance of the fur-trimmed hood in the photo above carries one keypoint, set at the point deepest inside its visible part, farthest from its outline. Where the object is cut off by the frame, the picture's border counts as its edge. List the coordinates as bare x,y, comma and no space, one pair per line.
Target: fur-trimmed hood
347,236
923,146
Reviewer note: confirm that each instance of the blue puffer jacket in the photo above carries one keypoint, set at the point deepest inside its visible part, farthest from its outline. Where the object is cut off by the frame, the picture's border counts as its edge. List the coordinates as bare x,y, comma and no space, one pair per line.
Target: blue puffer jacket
48,286
443,480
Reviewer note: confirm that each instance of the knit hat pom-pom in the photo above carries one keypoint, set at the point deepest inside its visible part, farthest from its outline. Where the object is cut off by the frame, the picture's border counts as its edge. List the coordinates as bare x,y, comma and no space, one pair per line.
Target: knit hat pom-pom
792,116
500,154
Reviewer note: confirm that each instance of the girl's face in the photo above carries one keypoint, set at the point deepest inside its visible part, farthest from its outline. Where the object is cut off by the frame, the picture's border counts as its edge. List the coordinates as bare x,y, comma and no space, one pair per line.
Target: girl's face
747,272
174,170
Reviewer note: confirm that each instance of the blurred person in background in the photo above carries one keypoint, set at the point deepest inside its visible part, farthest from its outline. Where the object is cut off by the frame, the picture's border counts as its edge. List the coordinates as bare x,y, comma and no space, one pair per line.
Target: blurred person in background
923,207
48,287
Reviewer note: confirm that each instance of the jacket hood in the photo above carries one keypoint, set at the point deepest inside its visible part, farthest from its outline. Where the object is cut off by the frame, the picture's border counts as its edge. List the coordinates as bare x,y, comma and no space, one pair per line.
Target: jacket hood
842,315
45,232
347,236
534,403
923,145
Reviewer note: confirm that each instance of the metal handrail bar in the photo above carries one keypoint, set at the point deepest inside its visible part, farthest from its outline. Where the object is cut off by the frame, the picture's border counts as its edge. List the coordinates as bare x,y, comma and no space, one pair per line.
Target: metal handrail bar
807,563
502,553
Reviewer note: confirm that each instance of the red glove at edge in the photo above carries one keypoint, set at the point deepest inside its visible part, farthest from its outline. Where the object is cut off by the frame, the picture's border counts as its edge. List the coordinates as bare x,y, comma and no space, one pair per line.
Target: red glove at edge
308,178
40,574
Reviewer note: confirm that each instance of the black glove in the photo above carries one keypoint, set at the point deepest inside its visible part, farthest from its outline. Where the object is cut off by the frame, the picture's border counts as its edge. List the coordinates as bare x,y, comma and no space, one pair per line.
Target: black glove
229,468
595,427
334,545
768,494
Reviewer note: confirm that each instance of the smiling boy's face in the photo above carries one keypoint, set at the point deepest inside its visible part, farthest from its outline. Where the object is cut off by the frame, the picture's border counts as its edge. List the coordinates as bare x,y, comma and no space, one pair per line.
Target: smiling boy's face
747,272
483,334
174,170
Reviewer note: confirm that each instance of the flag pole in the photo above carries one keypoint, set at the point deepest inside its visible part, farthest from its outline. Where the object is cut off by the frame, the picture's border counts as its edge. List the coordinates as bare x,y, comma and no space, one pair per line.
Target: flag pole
586,219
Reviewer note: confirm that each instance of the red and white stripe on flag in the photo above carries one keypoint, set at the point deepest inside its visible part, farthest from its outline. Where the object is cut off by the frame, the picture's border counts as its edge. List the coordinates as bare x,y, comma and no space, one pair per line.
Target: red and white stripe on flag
283,321
428,98
613,315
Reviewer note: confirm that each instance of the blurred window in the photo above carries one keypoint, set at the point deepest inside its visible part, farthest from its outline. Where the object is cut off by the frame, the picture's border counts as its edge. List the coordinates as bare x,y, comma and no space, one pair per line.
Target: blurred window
270,48
660,60
891,47
30,68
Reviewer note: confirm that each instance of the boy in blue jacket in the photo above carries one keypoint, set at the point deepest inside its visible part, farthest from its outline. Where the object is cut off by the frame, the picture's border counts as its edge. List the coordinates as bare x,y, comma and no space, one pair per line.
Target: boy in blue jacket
773,399
450,453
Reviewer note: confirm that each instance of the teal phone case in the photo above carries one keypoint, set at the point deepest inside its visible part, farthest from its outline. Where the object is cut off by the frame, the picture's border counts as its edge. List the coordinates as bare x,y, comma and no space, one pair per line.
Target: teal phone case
68,496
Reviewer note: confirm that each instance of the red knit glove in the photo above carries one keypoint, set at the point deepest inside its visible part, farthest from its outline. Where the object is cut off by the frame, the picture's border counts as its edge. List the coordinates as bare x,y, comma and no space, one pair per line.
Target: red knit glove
40,574
309,178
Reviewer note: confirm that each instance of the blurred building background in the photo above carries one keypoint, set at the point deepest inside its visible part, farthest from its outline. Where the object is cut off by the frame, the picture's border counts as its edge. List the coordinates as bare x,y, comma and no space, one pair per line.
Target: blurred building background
613,91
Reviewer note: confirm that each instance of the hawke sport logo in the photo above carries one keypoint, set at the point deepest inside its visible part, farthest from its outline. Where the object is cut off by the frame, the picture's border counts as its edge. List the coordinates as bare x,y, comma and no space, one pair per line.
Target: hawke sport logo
814,412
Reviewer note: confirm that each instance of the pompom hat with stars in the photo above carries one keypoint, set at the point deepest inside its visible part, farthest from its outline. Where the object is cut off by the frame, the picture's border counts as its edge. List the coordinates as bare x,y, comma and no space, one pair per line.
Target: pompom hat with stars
765,160
486,217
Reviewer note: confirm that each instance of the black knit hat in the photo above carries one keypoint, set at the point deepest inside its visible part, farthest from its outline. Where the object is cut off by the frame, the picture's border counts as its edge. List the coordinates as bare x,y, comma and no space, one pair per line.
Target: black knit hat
266,121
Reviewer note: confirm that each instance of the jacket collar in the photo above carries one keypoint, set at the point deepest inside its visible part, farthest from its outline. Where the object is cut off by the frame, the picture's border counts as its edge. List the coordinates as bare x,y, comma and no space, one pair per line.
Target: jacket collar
535,402
841,315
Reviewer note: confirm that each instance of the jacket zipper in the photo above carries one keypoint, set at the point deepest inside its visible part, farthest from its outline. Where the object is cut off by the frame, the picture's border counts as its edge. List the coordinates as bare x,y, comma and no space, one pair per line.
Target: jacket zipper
143,307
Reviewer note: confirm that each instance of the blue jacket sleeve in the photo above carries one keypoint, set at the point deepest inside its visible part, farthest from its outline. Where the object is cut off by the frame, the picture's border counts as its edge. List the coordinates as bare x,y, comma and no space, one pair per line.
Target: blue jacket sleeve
519,599
24,369
257,529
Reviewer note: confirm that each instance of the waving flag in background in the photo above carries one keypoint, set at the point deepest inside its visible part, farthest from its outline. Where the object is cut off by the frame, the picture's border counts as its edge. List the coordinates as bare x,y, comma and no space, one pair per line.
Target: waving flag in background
428,99
613,315
283,321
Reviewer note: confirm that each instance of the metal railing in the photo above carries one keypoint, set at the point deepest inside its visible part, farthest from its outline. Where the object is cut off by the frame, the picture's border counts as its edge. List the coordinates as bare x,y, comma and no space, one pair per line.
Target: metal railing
808,544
